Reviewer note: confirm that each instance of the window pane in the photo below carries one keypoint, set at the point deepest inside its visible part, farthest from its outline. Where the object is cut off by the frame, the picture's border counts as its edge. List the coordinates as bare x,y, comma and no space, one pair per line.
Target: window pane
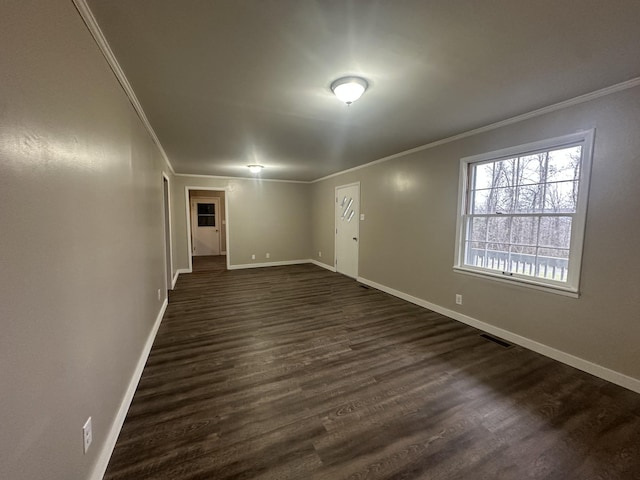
497,200
206,208
345,209
206,221
523,260
529,199
564,164
494,174
503,200
497,256
504,173
477,229
498,229
531,170
555,232
493,256
524,231
561,197
480,202
483,175
553,264
475,254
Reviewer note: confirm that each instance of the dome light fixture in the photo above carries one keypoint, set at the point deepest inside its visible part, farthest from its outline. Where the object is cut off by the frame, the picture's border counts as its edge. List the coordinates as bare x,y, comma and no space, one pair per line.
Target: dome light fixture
255,168
349,89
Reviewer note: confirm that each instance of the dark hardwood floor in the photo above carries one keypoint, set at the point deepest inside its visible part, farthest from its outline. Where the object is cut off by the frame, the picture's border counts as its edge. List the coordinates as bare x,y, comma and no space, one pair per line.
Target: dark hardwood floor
299,373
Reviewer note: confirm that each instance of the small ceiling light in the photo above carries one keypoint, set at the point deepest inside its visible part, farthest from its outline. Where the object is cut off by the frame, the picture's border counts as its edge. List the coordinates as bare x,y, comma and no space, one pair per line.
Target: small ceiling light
349,89
255,168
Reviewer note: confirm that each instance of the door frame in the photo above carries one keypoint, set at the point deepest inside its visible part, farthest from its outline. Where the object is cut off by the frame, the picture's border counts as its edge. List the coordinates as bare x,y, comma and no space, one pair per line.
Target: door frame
170,278
335,227
218,225
187,191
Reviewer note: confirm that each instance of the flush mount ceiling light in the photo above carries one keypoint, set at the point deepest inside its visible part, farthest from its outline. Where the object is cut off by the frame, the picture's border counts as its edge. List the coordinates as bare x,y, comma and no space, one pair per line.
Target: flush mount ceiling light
349,89
255,168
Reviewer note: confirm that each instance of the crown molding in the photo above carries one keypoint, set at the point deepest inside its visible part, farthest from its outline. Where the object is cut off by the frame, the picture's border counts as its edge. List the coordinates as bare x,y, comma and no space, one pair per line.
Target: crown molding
218,177
91,23
587,97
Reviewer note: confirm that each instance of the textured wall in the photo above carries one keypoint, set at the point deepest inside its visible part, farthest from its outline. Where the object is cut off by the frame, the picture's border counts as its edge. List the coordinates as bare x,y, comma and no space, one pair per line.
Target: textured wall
407,240
81,242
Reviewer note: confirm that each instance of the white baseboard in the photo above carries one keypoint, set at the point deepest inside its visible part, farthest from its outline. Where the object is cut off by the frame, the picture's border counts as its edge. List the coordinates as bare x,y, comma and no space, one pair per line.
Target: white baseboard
175,279
100,467
268,264
576,362
323,265
265,264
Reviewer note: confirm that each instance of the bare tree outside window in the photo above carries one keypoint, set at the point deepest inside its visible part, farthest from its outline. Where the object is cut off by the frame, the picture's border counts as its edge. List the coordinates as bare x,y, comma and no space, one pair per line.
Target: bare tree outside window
521,213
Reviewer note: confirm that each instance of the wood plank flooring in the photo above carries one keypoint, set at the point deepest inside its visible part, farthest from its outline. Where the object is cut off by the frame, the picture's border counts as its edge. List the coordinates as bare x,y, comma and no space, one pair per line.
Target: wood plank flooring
299,373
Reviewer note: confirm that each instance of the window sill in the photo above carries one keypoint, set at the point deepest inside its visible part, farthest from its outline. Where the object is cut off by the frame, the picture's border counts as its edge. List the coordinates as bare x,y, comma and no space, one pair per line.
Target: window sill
520,282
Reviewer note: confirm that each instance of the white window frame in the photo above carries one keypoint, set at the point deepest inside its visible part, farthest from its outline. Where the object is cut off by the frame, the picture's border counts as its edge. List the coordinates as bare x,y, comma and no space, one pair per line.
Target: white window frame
572,286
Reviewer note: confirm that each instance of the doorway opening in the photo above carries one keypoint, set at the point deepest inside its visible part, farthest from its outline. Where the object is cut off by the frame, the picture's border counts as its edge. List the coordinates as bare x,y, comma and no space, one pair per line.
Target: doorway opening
207,224
168,253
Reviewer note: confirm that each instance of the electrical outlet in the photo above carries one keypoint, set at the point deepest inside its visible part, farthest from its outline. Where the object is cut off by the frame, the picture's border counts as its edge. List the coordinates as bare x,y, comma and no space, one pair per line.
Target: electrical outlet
87,435
159,295
268,255
458,299
362,216
253,256
320,254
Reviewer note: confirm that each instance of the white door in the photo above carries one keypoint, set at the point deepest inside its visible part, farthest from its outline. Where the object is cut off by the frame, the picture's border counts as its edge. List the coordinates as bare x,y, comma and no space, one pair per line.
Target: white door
347,229
205,228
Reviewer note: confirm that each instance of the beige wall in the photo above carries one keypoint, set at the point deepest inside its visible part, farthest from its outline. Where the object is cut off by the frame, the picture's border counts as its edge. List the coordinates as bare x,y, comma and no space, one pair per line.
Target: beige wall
264,217
81,240
407,239
82,251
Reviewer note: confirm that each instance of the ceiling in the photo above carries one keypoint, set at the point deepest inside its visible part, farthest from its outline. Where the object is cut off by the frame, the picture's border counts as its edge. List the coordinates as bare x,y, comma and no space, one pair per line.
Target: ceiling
226,83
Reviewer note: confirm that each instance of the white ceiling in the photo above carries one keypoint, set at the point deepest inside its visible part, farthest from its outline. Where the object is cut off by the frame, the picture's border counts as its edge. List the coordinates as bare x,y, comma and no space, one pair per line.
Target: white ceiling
225,83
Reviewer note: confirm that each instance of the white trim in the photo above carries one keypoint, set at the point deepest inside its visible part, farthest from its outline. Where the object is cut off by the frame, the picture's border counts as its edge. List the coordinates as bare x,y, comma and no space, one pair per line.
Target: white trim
585,138
168,213
100,467
619,87
323,265
91,23
268,264
226,191
497,277
175,277
566,358
258,179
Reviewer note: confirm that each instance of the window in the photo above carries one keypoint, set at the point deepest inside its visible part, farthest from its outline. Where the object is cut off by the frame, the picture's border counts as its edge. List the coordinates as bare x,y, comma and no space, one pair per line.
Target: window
522,212
206,214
